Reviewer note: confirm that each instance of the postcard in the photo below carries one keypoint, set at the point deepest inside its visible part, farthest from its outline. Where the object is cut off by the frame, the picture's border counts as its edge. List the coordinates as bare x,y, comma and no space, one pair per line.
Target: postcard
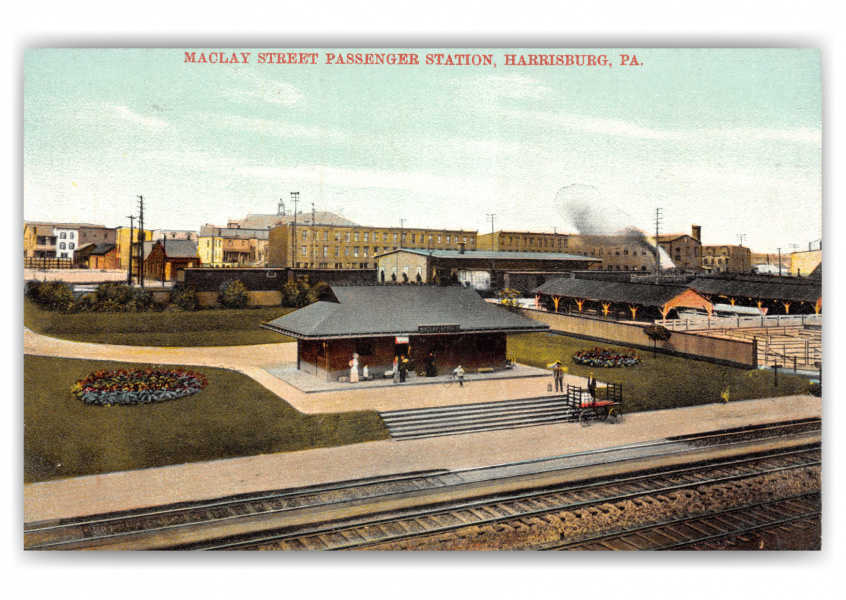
422,299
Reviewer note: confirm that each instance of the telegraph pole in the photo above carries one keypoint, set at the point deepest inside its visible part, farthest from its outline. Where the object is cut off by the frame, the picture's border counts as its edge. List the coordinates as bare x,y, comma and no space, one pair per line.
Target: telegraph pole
779,262
313,247
295,196
131,235
492,217
741,237
141,241
402,222
658,218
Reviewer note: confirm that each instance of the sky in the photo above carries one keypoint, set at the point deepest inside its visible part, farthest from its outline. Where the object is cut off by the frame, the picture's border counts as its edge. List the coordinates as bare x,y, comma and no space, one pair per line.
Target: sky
727,139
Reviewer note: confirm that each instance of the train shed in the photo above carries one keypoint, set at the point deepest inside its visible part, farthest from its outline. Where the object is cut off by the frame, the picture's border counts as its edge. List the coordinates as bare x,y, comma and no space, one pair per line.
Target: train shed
645,300
772,295
378,322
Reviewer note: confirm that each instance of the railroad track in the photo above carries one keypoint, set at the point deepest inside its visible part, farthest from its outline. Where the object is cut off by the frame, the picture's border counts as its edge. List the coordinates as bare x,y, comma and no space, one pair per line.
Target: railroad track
246,520
519,510
80,532
708,530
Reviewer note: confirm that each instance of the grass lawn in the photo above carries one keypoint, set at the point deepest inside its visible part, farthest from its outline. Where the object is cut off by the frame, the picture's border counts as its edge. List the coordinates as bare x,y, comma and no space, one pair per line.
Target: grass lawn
660,382
213,327
234,416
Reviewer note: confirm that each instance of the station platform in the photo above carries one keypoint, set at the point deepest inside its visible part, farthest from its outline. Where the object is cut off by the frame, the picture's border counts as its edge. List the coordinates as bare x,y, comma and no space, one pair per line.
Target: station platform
189,482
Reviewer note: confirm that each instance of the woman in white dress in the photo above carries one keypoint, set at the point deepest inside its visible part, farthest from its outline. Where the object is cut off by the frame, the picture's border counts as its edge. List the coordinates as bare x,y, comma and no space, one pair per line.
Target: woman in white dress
354,369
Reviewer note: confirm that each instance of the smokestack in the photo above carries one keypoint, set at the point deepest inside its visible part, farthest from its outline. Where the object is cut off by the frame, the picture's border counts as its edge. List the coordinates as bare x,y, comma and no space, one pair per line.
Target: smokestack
696,232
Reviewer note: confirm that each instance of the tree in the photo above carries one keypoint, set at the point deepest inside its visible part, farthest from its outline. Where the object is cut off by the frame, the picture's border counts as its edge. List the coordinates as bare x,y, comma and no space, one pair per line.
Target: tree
657,333
233,294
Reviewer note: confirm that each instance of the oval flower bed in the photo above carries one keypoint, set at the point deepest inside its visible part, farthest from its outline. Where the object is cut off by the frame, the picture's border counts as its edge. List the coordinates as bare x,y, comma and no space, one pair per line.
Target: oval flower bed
601,357
104,388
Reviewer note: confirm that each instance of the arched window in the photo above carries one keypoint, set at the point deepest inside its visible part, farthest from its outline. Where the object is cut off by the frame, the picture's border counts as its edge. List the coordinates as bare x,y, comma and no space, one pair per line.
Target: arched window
63,235
70,246
62,245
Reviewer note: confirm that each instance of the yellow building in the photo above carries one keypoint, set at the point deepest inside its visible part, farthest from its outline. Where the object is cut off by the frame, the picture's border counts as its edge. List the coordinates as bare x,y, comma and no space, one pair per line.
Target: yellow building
122,241
354,247
802,264
727,258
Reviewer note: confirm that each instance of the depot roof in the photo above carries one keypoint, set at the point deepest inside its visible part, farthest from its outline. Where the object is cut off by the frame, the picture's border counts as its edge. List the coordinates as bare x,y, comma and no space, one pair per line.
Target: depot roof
385,310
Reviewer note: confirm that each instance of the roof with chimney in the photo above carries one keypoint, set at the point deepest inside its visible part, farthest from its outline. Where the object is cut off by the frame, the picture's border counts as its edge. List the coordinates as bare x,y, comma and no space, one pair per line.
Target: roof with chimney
389,310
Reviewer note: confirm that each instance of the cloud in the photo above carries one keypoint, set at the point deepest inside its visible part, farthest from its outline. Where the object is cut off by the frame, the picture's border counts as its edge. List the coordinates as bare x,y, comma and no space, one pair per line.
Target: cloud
627,129
122,114
273,128
507,86
416,182
251,86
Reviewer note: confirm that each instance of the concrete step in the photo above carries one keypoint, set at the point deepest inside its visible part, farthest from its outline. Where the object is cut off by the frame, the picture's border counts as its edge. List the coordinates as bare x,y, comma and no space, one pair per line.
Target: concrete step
479,419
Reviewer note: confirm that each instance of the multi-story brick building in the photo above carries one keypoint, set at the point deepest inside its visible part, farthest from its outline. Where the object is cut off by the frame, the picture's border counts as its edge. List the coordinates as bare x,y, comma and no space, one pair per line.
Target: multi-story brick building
323,246
623,252
727,258
684,250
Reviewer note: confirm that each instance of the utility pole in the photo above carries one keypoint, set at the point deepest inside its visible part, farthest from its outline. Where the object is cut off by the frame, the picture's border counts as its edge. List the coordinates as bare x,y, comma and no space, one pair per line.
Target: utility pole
295,196
313,247
492,217
131,235
141,241
402,223
741,237
658,218
779,262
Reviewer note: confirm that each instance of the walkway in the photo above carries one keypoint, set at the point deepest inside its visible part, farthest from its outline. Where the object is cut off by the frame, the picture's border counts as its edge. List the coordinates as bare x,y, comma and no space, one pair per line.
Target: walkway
255,361
135,489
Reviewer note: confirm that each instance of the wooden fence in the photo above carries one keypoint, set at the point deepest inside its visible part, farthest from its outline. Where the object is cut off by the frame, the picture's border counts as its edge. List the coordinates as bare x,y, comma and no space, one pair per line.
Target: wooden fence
732,352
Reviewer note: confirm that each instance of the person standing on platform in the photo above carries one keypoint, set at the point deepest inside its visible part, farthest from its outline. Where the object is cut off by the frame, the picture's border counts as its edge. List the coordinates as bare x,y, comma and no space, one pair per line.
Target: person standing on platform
396,369
558,376
431,367
403,368
354,369
591,385
459,374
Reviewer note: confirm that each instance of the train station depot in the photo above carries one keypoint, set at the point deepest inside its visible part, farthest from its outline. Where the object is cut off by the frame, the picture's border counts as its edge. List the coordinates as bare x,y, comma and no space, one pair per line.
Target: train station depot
380,322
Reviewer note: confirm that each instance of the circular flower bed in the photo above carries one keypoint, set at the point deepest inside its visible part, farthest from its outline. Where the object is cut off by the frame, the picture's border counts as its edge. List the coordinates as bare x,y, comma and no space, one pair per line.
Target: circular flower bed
104,388
602,357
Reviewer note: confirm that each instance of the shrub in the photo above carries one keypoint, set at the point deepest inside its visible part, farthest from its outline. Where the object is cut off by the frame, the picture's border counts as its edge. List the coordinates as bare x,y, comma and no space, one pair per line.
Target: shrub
116,296
602,357
508,298
320,291
233,294
51,295
295,293
815,389
184,297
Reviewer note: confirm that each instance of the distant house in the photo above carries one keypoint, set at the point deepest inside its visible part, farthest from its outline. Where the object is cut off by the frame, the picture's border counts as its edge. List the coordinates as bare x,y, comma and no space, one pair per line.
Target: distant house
167,259
97,256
